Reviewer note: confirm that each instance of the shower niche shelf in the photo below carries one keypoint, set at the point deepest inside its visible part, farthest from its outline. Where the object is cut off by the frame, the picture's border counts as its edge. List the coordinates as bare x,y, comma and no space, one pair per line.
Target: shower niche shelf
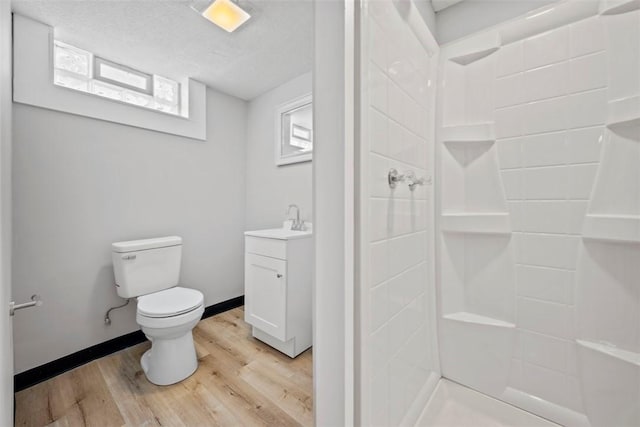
614,211
625,114
610,371
470,57
476,222
611,351
478,48
473,199
614,228
616,7
467,136
477,268
490,340
466,317
607,346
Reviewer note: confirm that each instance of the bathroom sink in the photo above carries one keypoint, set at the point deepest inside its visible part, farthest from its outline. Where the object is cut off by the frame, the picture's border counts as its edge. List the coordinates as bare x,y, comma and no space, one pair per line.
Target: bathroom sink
280,233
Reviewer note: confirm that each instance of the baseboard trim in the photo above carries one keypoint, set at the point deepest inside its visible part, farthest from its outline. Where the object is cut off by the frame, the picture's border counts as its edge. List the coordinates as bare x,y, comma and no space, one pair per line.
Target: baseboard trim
56,367
223,306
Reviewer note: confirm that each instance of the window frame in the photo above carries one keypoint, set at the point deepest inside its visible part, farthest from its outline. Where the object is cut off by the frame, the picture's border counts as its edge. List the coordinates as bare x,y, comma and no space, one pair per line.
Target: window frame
157,104
98,61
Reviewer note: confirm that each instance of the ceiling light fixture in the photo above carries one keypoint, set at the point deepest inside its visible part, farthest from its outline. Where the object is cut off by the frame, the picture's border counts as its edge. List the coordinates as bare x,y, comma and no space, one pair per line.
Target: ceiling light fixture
226,15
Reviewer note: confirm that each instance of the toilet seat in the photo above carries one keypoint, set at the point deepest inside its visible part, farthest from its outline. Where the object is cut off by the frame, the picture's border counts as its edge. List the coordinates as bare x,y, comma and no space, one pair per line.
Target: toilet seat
169,302
166,323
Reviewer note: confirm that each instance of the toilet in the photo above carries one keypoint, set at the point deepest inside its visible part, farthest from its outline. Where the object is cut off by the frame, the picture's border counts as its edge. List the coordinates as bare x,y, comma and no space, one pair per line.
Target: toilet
150,271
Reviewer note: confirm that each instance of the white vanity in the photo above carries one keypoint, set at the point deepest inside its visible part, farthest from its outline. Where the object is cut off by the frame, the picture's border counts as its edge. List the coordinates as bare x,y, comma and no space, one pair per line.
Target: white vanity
277,287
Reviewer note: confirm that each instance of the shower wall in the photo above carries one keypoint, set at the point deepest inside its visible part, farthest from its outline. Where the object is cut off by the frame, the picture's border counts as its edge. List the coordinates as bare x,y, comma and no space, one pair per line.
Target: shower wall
539,212
398,354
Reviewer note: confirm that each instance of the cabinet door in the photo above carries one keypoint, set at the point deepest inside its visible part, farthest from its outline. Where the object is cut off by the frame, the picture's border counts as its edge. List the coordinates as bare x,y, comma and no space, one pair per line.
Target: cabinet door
266,294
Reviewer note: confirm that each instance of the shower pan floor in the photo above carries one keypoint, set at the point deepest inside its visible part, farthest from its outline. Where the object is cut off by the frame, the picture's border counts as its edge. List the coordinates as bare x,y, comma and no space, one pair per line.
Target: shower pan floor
453,405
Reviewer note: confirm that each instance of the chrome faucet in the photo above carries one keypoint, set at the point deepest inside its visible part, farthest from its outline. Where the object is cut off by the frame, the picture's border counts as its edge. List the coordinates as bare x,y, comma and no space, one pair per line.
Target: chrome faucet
394,178
414,180
297,224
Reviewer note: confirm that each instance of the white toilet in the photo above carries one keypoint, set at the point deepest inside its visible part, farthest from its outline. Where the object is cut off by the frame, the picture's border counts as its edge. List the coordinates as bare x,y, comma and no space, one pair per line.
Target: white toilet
150,270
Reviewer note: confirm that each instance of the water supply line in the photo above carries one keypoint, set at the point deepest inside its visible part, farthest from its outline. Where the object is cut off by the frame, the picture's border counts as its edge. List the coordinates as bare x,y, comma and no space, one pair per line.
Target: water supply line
107,318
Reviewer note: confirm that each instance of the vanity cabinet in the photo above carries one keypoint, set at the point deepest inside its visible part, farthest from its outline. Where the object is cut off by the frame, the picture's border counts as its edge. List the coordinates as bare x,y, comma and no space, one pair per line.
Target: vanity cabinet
278,268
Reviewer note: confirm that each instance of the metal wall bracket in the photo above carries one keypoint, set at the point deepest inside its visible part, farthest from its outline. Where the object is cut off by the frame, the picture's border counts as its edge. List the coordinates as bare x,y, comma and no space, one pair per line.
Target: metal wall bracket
394,178
36,301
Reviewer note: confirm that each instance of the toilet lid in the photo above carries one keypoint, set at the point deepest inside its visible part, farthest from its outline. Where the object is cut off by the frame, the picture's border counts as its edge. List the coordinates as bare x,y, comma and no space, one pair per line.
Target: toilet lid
170,302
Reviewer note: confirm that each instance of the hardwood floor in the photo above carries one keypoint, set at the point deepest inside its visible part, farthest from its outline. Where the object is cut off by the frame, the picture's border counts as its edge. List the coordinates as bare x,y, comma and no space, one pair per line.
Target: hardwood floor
239,382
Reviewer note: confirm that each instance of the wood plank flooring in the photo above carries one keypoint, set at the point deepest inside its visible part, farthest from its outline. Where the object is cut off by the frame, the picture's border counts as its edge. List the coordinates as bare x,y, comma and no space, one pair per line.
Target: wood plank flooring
239,382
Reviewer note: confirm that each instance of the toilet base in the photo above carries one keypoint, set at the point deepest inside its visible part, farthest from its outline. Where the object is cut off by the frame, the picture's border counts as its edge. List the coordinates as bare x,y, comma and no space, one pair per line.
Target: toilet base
170,361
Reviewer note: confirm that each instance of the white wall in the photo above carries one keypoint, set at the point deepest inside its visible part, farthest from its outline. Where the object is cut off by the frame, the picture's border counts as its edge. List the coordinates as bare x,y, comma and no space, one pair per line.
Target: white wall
270,188
469,16
333,227
81,184
6,351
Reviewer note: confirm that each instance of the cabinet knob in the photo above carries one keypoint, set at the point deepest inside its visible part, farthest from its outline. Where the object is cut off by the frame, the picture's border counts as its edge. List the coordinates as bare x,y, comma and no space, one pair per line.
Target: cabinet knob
278,275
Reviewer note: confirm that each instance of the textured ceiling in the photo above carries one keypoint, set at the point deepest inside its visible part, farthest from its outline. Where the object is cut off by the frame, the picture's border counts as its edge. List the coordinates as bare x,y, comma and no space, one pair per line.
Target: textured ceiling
170,38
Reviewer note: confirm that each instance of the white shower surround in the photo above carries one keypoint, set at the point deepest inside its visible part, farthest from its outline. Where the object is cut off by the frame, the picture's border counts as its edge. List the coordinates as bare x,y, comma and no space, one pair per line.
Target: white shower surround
398,353
538,273
547,213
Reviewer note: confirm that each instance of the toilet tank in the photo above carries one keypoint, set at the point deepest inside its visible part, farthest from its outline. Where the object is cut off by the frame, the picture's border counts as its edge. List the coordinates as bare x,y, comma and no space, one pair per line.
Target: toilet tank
145,266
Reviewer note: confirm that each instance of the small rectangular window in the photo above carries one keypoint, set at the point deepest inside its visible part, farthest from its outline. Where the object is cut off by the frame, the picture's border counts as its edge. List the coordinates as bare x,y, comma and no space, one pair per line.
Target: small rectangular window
120,75
80,70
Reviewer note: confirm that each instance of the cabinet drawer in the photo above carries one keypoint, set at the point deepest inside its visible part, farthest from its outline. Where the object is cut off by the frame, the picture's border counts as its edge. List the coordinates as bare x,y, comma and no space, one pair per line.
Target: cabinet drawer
273,248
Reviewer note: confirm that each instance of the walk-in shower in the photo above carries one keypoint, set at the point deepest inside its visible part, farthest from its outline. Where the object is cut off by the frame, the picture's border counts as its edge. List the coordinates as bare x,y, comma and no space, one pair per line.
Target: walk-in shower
517,273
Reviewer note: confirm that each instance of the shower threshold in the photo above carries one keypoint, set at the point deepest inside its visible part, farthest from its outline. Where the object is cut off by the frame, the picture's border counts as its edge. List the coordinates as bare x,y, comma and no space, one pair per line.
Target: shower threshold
453,405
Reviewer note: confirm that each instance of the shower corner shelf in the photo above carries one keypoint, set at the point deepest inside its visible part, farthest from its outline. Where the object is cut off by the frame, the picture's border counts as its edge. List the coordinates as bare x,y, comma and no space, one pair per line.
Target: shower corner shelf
470,57
463,136
609,350
481,48
616,7
613,228
476,222
624,113
466,317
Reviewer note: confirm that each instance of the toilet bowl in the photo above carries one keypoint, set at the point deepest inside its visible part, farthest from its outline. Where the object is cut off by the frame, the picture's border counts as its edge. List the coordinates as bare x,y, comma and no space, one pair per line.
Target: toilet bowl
167,319
149,270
